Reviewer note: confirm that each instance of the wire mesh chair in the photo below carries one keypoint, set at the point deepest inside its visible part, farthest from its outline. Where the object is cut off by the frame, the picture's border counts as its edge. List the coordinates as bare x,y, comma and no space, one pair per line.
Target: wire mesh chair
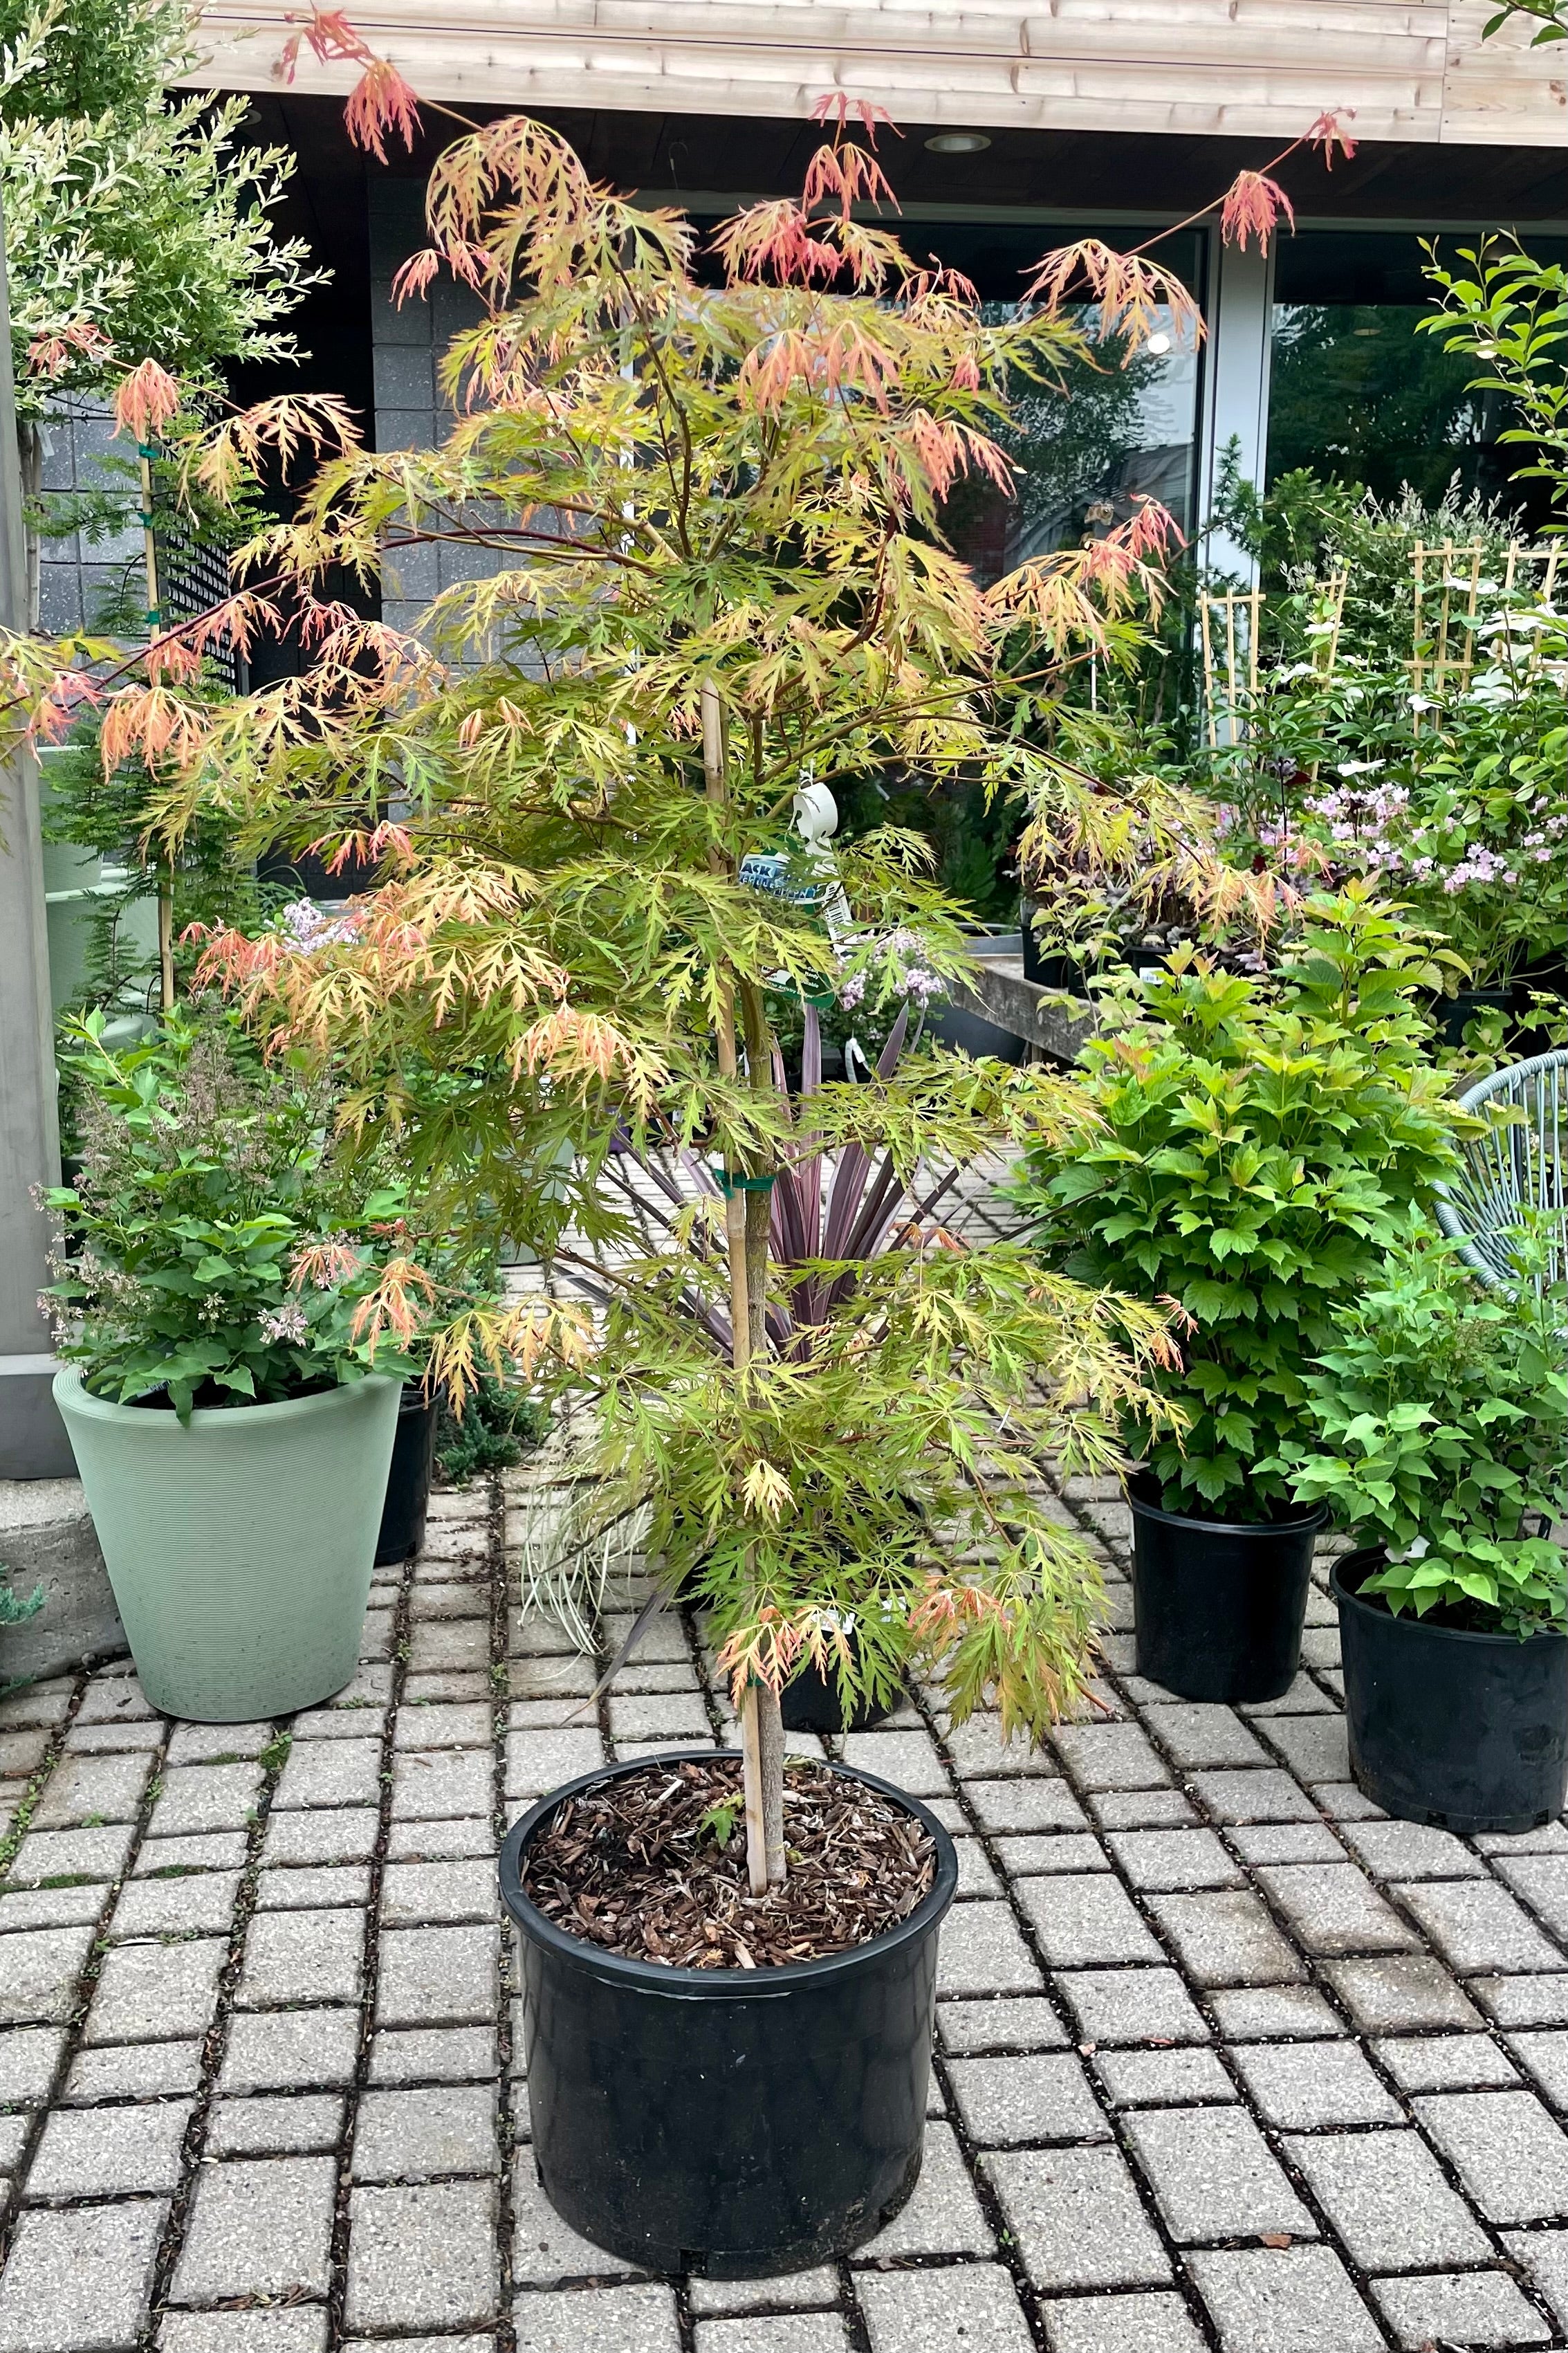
1515,1166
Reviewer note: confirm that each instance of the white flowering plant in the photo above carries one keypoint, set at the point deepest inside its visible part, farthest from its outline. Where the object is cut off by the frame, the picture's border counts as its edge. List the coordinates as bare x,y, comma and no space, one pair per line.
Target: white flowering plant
213,1249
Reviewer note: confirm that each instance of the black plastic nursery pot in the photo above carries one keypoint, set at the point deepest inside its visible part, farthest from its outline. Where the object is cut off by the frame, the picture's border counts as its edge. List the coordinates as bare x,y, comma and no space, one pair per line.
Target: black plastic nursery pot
408,1480
810,1702
737,2123
1468,1731
1452,1014
1218,1604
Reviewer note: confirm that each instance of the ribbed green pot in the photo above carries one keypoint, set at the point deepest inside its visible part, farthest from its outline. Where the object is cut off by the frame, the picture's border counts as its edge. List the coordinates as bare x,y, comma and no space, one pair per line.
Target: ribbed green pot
240,1547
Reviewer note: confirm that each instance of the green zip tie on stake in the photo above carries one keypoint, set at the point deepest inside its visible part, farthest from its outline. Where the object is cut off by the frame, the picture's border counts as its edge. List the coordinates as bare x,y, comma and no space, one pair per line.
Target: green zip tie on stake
730,1182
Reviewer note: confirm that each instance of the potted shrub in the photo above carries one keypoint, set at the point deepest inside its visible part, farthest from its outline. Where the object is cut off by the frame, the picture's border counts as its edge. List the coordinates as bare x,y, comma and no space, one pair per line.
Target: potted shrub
717,506
1435,1434
218,1304
1261,1145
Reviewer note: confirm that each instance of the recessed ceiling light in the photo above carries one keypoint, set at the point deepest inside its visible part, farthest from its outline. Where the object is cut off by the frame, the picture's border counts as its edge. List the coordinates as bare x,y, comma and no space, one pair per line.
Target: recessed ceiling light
957,143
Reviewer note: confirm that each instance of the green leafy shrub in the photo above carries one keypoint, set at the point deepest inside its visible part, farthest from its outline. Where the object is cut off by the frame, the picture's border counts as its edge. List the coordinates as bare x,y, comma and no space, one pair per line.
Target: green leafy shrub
1261,1147
1435,1427
211,1246
495,1426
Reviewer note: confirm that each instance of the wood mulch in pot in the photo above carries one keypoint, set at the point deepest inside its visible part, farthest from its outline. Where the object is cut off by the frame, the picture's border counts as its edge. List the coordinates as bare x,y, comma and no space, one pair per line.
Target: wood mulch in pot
641,1866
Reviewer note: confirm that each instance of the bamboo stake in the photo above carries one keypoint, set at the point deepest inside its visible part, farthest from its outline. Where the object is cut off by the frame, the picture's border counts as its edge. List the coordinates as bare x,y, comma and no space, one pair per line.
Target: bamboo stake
761,1730
155,622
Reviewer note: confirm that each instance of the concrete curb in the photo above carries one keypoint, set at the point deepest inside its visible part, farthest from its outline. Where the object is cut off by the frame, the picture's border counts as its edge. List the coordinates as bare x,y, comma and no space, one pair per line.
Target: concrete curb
46,1538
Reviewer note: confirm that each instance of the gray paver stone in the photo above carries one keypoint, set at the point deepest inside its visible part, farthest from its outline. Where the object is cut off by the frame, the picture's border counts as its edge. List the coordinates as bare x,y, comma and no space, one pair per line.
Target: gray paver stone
95,1854
942,2216
1389,1996
290,2050
1131,2006
258,2227
1109,1756
1315,1748
1285,1843
199,1797
1446,2063
1542,2256
330,1773
110,2152
416,1894
1259,2013
39,1973
1226,1939
977,1751
50,1907
301,1956
92,1788
320,1835
1523,2000
1331,1907
204,1850
440,2054
1025,1806
779,2332
211,1744
1152,2079
1171,1860
441,1841
1284,2300
1476,1925
800,2290
1259,1797
971,2309
1510,2154
134,2071
1197,1734
80,2281
676,1716
298,2329
439,1785
153,1993
1543,1881
115,1698
1043,1857
1401,1850
1386,2197
1141,1810
306,1887
423,2257
1030,2024
298,2124
639,2319
982,1951
1476,2309
202,1903
1086,1923
1006,2101
462,1724
419,2135
1212,2174
1546,2056
1152,2324
1301,2086
429,1977
1076,2218
29,2056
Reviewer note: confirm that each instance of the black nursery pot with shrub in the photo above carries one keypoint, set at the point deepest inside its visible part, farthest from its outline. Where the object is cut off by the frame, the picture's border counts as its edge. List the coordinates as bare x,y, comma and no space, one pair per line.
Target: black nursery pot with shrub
1437,1427
733,2122
1259,1151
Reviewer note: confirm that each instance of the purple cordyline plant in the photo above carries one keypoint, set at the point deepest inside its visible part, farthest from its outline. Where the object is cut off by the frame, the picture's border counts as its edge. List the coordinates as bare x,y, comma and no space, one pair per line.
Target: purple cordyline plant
830,1211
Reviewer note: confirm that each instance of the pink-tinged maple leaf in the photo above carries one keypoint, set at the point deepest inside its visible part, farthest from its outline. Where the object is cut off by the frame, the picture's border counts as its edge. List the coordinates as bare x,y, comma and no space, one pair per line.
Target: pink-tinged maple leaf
838,106
362,846
380,102
846,176
1253,204
47,354
1329,132
145,400
1130,292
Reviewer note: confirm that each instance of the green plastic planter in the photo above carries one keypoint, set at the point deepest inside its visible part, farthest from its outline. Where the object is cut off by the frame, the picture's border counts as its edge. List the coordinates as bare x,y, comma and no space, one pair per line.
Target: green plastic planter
240,1547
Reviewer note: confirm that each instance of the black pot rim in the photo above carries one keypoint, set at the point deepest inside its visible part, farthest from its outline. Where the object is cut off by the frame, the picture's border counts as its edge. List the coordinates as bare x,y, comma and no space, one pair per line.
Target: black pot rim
1349,1597
730,1985
1316,1519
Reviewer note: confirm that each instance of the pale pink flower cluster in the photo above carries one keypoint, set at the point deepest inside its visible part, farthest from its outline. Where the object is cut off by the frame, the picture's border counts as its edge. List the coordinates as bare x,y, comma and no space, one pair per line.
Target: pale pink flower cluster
307,927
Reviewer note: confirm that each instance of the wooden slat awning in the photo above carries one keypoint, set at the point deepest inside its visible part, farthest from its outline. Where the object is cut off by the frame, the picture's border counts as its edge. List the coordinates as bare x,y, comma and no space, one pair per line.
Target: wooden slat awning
1411,71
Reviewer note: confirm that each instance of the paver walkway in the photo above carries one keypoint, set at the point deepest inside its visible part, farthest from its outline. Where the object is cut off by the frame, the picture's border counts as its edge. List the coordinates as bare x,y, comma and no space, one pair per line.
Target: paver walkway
1225,2058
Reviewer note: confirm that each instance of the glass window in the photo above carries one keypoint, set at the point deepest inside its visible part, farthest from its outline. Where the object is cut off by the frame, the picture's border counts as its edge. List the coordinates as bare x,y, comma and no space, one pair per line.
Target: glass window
1356,393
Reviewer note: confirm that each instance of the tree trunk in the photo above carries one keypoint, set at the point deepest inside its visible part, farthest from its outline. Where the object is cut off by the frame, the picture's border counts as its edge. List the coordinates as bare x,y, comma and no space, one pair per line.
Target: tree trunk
761,1727
30,449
